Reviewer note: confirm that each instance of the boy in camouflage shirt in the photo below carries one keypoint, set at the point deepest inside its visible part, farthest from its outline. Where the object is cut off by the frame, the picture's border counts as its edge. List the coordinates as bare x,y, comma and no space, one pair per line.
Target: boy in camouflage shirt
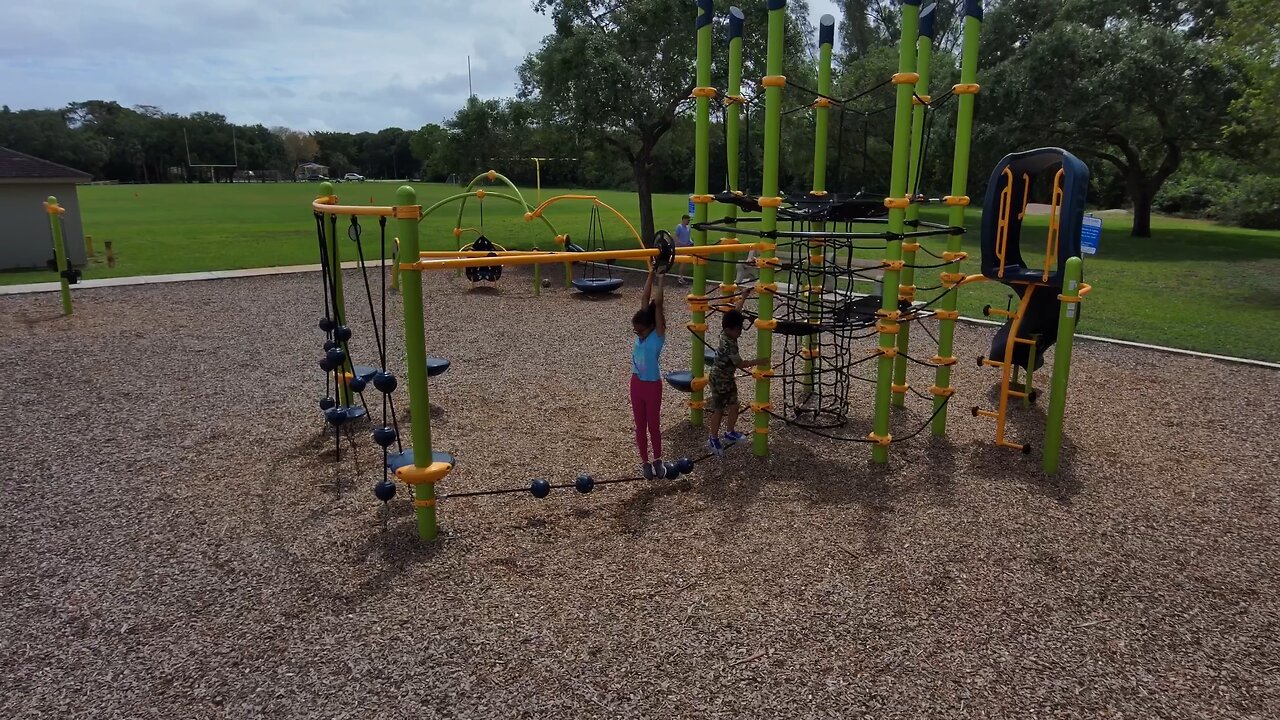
724,384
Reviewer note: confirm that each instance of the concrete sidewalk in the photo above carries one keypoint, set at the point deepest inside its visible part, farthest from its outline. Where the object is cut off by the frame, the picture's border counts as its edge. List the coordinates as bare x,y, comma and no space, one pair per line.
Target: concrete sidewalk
174,278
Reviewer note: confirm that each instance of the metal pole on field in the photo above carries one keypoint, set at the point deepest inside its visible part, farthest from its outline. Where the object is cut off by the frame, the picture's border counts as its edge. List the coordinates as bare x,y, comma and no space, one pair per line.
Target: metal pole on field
732,143
817,245
907,288
701,185
55,212
888,326
773,82
1068,315
407,215
957,201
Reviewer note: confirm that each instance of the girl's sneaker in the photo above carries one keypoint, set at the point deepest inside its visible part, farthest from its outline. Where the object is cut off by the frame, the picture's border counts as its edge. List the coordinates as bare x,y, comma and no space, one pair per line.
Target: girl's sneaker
713,444
659,469
646,469
733,436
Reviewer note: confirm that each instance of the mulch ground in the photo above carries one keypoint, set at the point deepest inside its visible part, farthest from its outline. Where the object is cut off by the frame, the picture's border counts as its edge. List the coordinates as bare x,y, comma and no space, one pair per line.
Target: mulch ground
177,542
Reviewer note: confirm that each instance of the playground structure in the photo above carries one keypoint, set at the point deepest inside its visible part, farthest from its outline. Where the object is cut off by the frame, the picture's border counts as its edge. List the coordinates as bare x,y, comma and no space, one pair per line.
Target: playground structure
67,274
817,310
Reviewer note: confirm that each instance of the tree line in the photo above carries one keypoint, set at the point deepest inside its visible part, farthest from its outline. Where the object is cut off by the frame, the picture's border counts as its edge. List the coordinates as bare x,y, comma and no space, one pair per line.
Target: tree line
1171,102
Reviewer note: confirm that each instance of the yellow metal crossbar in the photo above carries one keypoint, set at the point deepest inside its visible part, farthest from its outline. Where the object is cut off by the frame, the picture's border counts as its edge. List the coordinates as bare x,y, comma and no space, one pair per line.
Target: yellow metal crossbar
442,260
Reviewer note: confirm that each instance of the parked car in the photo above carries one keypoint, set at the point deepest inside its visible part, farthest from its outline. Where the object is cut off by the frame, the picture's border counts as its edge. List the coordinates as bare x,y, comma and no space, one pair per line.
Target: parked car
353,177
317,178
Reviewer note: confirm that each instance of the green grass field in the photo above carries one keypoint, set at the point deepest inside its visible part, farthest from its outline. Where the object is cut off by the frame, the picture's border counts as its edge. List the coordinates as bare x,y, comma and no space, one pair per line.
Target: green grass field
1193,285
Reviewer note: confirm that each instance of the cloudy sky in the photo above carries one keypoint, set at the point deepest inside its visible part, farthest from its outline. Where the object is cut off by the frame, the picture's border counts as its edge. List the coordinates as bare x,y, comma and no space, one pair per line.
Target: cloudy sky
346,65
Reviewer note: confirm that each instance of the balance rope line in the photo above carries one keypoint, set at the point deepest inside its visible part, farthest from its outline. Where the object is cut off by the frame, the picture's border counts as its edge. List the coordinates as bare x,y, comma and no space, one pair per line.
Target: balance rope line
379,331
329,271
931,107
324,279
904,438
552,486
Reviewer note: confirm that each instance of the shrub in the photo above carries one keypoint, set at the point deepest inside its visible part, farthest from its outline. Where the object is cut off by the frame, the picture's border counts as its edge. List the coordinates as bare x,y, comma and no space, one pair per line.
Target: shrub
1252,202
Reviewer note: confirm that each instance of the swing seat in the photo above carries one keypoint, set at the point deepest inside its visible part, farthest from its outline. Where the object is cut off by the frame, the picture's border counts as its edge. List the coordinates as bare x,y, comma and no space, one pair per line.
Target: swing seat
597,286
395,461
436,366
681,380
365,372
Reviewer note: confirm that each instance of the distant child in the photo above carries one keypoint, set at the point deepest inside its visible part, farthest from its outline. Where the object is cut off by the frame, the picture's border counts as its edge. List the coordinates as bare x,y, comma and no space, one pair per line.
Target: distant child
650,326
683,239
724,383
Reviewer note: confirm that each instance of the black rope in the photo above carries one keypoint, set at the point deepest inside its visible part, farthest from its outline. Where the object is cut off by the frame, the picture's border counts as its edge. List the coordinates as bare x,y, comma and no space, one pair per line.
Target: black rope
552,486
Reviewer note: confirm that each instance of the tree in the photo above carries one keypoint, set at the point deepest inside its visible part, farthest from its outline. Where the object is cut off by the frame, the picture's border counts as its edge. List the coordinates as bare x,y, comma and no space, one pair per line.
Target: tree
1132,84
299,147
620,73
1253,42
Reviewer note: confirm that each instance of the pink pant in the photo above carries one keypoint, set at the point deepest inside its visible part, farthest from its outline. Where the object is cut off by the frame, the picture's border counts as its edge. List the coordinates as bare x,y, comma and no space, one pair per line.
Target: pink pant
646,407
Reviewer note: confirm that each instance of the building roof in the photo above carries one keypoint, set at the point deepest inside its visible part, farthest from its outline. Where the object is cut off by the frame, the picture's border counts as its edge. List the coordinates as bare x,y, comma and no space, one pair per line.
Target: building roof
20,166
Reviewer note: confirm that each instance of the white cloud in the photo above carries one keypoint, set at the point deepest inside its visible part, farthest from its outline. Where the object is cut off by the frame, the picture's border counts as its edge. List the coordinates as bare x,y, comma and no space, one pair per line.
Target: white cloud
352,65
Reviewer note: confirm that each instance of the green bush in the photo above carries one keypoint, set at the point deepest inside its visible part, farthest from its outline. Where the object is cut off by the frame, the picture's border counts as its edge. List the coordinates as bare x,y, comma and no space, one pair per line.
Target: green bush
1190,195
1253,202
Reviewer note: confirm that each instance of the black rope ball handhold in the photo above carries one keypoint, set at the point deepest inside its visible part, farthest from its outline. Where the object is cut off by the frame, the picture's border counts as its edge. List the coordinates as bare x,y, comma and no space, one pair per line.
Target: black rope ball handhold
357,384
336,356
330,344
685,465
342,332
384,436
325,365
335,415
327,324
327,402
673,470
540,488
584,484
384,490
385,382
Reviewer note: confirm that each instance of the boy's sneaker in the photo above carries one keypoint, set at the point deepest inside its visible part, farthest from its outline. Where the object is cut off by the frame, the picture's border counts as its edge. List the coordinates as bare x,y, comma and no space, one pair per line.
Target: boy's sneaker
646,469
733,436
713,444
659,469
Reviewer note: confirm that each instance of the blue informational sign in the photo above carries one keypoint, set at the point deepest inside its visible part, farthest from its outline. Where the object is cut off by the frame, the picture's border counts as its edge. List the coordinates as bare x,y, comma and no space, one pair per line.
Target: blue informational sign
691,208
1090,233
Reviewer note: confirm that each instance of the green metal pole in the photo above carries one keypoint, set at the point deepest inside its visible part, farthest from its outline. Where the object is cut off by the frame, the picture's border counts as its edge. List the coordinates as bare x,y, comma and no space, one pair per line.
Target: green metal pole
888,326
959,186
52,207
732,123
415,348
773,83
1067,317
537,277
701,185
817,245
924,52
335,276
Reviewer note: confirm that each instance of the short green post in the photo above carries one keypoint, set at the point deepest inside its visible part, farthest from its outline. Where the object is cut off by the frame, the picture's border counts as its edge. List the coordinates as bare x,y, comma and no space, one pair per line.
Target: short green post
415,350
888,325
817,245
957,201
769,202
332,233
537,276
733,138
907,290
1068,314
55,211
701,185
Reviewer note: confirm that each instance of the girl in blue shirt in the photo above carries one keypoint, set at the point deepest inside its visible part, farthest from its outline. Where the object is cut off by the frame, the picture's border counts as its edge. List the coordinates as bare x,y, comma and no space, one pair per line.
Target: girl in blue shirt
650,326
